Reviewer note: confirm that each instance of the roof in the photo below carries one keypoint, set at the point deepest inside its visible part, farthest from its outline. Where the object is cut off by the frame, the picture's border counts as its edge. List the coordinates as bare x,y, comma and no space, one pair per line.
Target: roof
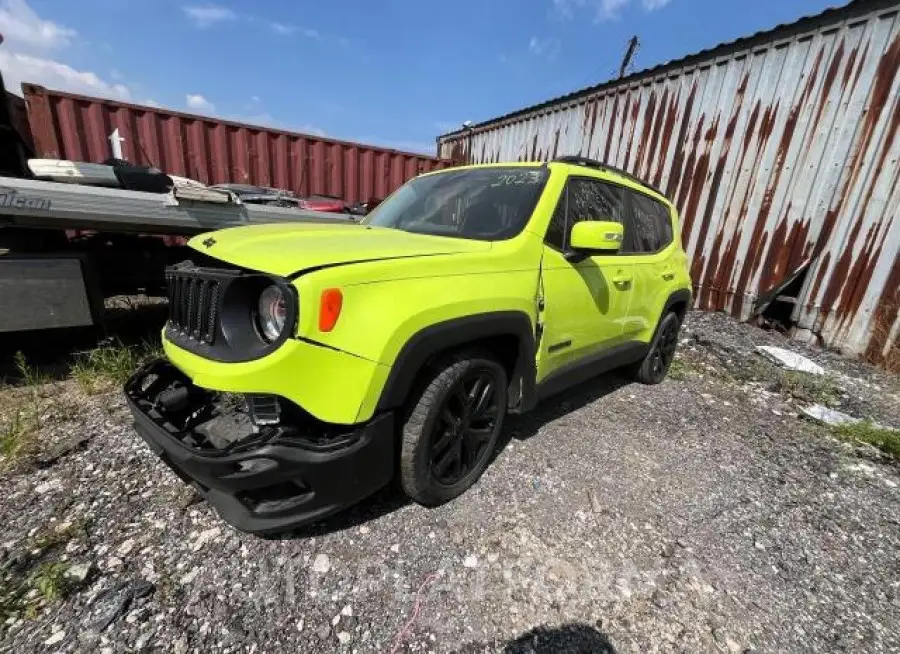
804,24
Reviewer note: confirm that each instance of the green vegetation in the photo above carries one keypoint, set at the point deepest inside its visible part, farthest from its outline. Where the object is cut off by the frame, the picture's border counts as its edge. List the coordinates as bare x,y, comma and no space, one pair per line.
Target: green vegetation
50,580
16,439
31,376
108,366
886,440
34,579
683,368
804,387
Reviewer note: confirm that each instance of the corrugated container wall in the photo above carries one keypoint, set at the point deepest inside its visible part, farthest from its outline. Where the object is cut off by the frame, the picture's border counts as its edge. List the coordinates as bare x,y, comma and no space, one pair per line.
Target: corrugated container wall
777,149
67,126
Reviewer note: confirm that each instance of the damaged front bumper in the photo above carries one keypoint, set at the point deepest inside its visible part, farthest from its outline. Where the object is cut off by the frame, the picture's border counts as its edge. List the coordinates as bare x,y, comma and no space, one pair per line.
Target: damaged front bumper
264,463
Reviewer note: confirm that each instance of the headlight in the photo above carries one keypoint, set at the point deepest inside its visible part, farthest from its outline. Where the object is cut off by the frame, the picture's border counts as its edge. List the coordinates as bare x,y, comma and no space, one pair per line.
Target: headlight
272,313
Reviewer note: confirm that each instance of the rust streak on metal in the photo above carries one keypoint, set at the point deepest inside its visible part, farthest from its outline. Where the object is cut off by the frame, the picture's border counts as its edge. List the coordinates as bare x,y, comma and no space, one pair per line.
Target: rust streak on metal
675,175
609,132
708,279
667,128
654,138
699,177
817,282
645,133
887,312
687,182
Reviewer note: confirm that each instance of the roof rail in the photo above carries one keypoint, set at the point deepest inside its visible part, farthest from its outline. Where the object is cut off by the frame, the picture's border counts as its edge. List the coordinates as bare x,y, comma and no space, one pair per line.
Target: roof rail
593,163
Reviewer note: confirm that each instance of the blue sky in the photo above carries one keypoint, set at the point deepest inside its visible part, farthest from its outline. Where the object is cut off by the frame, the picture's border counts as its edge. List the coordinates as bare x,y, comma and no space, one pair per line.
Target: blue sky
391,72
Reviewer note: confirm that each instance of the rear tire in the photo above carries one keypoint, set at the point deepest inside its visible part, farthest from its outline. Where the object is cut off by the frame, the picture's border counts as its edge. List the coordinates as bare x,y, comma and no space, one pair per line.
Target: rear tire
653,367
451,432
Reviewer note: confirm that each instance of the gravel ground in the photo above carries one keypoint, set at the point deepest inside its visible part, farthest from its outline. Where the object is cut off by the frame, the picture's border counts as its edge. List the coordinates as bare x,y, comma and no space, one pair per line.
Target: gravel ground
698,515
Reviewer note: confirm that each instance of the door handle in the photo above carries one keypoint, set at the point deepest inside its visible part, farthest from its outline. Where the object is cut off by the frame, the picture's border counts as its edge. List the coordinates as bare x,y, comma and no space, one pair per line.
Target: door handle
668,276
622,280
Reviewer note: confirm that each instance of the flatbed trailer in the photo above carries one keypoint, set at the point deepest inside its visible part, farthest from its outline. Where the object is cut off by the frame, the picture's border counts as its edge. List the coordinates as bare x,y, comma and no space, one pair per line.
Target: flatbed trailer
64,247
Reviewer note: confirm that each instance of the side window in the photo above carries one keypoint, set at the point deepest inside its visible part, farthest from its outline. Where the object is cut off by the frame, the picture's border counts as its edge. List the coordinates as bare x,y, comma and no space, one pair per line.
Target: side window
664,218
652,225
556,231
595,200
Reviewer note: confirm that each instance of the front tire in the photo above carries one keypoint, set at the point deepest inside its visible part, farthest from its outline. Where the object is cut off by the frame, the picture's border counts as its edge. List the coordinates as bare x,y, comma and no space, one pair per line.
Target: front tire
653,367
452,431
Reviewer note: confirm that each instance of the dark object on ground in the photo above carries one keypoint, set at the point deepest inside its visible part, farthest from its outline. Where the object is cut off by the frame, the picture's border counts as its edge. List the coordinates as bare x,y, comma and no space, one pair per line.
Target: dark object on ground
118,599
64,448
571,638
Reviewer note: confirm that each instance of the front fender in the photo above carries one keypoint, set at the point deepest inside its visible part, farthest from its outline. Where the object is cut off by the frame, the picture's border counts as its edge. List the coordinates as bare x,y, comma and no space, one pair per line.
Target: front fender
438,337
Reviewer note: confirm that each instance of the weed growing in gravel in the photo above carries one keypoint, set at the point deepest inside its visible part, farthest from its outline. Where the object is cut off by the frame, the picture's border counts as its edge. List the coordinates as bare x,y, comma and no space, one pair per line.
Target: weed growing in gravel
50,538
31,376
108,366
50,580
807,388
31,580
16,439
798,386
682,368
886,440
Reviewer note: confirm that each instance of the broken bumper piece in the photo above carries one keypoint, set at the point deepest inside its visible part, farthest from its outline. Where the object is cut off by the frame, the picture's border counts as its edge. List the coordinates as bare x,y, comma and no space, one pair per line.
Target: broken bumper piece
264,463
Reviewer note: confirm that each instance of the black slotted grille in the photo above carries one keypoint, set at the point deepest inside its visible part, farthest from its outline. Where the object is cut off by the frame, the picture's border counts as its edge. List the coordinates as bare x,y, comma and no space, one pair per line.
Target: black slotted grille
193,305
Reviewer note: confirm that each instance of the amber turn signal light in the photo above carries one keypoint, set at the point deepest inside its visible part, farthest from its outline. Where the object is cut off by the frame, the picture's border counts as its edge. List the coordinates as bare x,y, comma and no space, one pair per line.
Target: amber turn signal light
330,308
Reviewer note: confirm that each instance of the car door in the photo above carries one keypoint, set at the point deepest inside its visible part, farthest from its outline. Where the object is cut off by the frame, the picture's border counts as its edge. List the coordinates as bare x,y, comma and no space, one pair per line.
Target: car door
649,246
584,298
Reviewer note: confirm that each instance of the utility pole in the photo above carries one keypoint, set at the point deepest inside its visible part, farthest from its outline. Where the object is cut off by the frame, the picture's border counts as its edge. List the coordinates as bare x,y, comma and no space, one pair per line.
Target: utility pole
629,54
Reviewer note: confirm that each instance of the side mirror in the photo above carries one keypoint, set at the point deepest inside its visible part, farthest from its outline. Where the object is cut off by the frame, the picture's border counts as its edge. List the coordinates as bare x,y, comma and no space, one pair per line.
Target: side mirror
595,236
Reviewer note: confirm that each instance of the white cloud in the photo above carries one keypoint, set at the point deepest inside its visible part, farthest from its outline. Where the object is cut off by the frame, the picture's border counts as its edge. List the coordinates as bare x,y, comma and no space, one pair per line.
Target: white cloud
23,29
565,9
197,102
26,55
545,48
283,29
18,68
204,16
604,10
609,9
289,30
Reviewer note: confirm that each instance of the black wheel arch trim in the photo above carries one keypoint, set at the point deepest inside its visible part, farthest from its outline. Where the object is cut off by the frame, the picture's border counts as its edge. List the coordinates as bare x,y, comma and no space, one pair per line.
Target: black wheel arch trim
677,297
451,334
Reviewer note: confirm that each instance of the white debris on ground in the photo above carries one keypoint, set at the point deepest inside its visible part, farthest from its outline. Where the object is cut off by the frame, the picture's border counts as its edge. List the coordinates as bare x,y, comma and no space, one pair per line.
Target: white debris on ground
790,360
834,418
827,416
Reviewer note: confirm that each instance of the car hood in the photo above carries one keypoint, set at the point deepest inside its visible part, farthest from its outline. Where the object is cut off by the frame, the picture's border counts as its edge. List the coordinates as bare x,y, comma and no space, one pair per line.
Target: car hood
288,248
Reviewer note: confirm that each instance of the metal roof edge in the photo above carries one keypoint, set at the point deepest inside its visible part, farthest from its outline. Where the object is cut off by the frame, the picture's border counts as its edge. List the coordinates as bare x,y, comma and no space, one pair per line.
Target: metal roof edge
799,26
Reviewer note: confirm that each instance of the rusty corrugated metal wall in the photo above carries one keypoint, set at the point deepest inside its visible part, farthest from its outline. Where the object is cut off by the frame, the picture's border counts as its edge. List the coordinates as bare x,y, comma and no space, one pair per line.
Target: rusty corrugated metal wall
778,148
67,126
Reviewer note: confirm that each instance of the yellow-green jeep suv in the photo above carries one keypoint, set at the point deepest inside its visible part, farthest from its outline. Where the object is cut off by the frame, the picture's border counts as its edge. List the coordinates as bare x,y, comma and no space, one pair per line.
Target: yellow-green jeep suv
311,364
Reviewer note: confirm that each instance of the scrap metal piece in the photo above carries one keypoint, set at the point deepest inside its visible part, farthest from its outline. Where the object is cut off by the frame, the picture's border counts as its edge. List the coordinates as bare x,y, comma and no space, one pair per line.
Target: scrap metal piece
790,360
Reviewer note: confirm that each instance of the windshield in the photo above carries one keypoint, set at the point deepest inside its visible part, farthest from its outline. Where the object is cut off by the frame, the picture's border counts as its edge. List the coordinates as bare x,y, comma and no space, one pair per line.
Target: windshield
488,204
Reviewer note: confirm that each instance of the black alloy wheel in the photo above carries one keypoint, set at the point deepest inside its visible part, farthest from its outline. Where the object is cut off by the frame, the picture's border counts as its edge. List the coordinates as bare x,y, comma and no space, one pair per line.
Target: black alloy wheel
464,428
664,351
653,367
452,426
